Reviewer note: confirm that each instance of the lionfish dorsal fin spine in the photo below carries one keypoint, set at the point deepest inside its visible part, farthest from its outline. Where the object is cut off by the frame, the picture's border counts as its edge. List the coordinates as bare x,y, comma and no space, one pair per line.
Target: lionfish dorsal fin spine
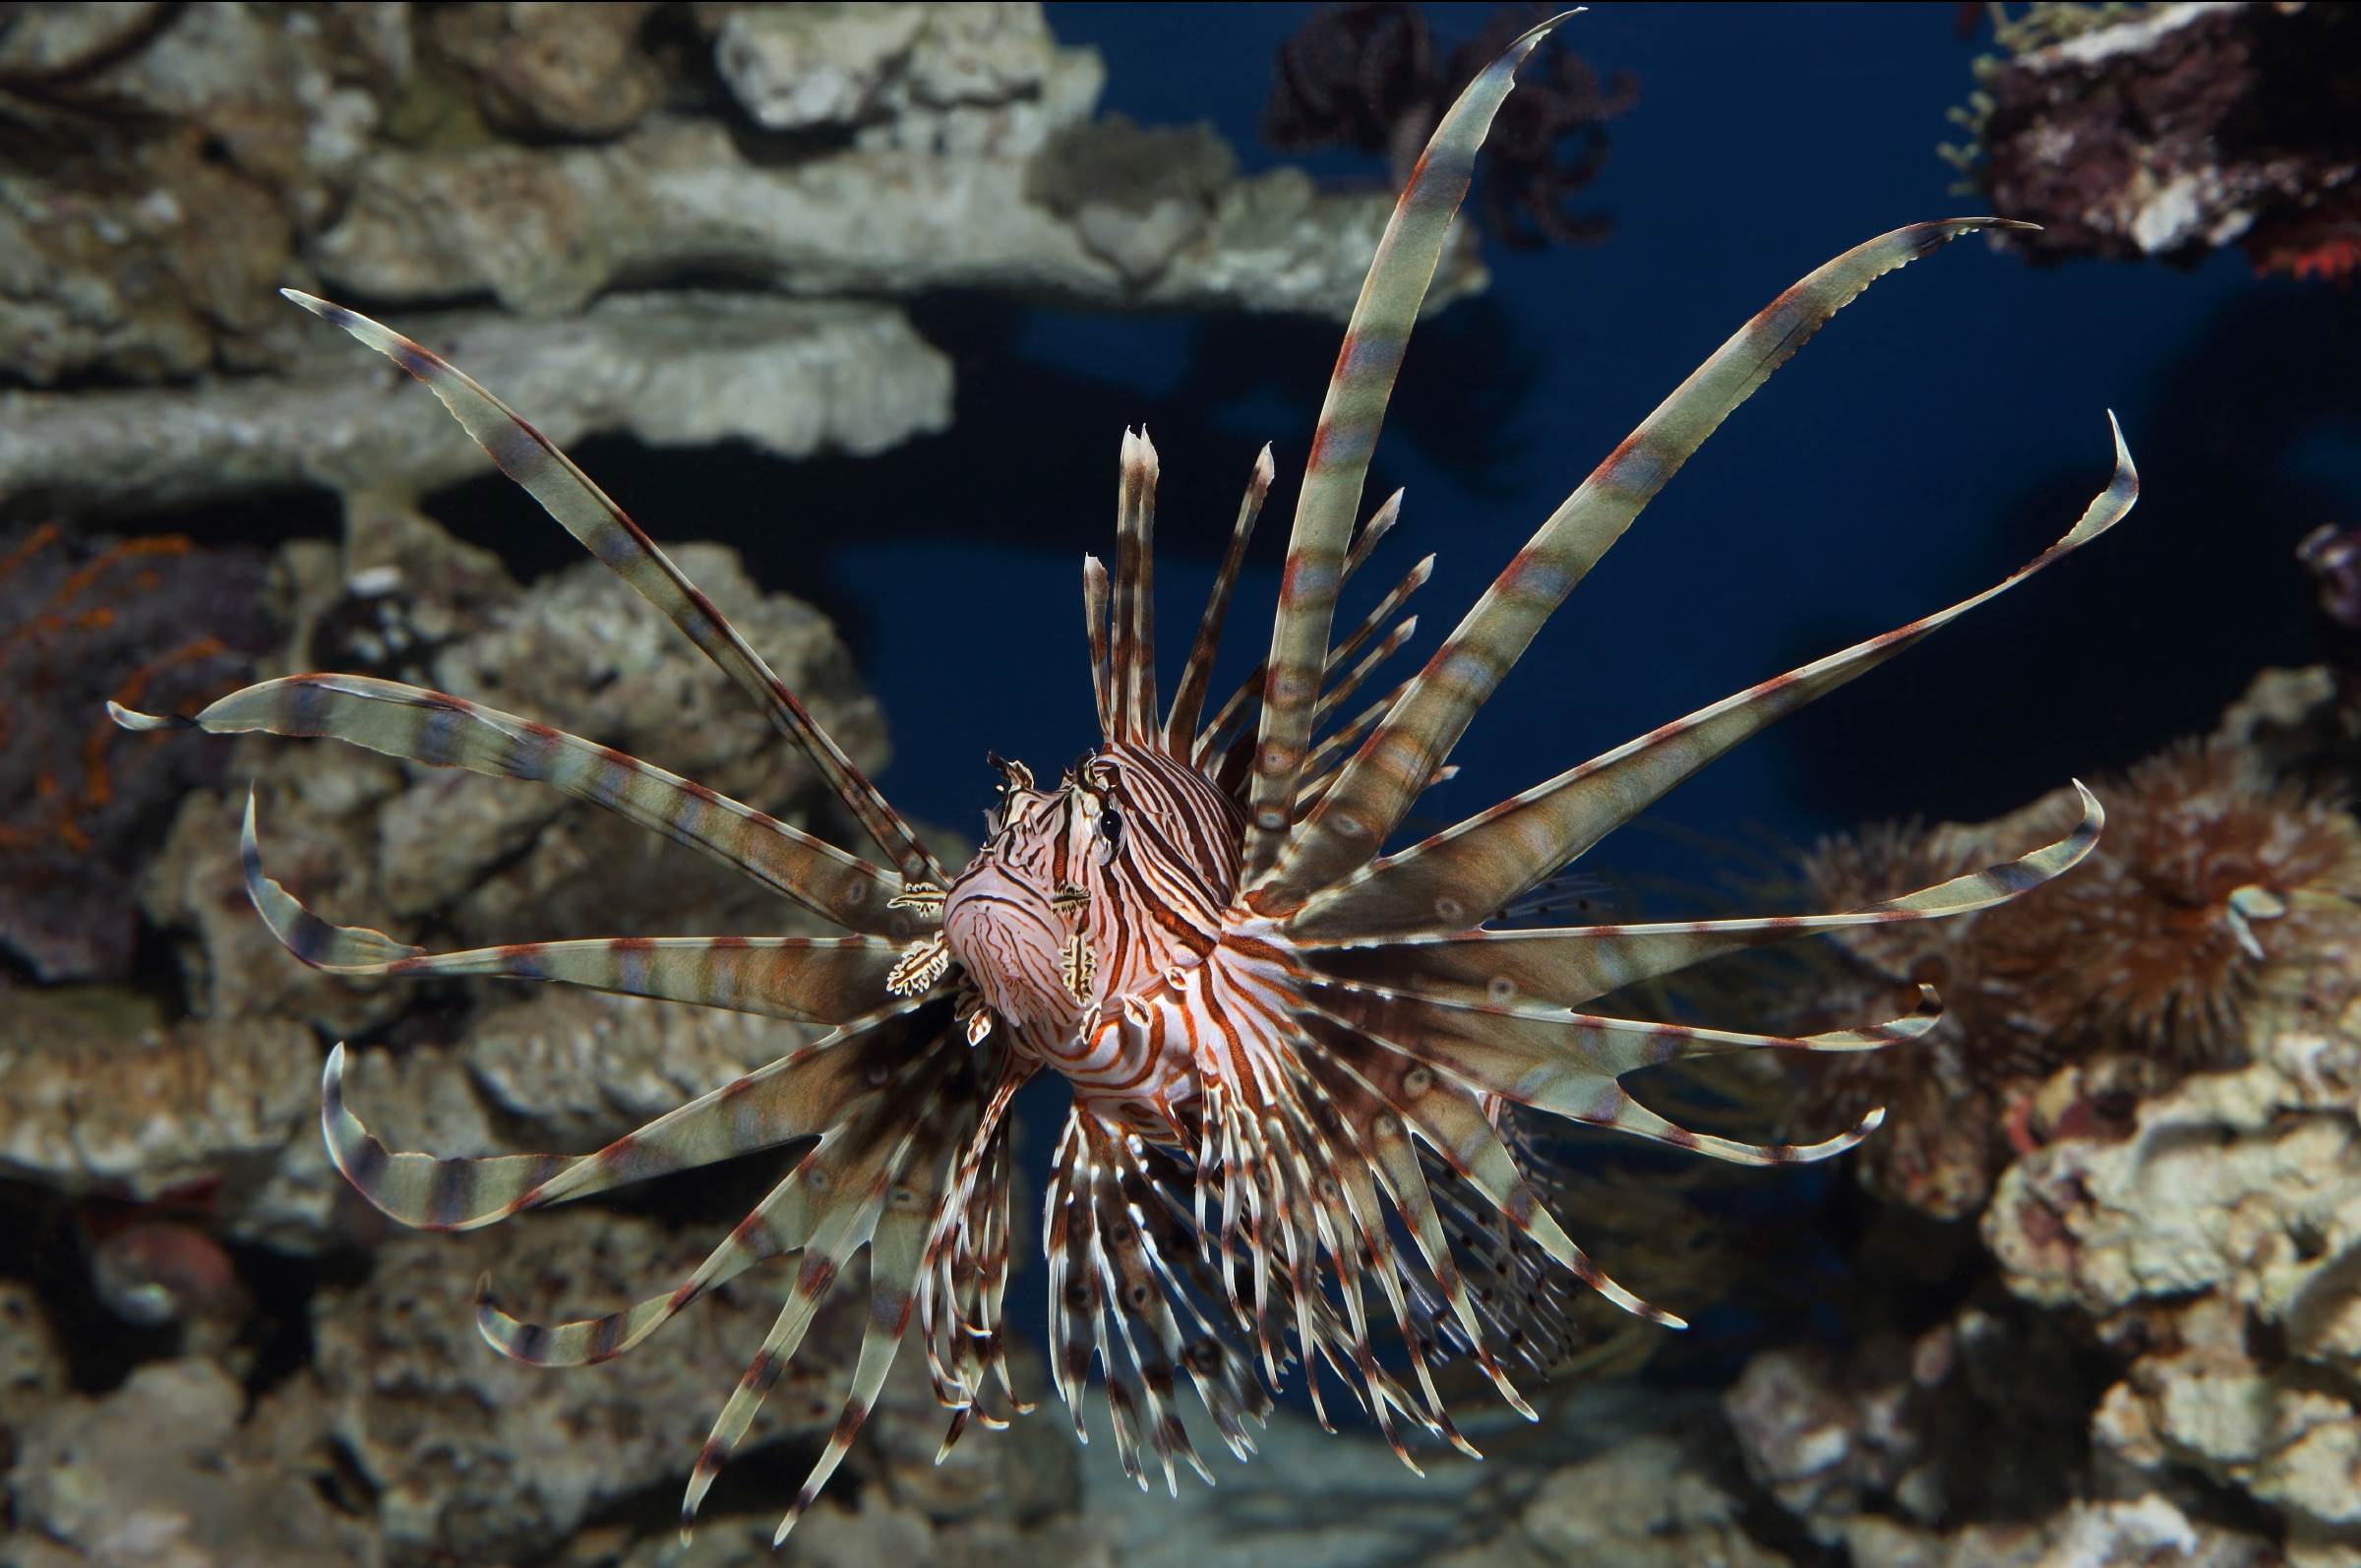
1188,698
1134,678
1462,874
1095,613
1341,445
1370,797
568,495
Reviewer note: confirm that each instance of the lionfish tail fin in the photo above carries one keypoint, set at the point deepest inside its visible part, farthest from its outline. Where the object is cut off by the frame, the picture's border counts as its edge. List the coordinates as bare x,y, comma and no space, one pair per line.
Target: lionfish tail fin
568,494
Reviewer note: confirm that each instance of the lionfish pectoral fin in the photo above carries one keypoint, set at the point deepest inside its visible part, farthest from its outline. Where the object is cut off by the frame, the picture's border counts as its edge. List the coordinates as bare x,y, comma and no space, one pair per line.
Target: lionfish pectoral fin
1446,1115
797,1095
569,496
420,1189
917,1185
827,980
1345,439
1459,877
1571,965
781,1224
320,944
1353,820
416,725
883,1198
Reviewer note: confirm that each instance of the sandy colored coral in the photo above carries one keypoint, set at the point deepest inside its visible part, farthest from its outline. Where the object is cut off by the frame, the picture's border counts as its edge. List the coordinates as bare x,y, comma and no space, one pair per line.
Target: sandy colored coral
172,1470
2218,1248
95,1095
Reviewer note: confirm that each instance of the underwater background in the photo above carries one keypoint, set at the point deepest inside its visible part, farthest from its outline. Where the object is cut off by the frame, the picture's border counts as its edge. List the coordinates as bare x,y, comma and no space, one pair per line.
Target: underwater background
860,300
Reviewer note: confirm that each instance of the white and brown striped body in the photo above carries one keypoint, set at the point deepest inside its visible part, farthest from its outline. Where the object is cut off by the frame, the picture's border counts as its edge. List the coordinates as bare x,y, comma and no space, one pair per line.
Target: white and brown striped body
1132,860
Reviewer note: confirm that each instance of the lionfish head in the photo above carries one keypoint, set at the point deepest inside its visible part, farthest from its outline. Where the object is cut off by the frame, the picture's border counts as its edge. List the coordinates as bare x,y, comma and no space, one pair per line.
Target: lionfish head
1064,874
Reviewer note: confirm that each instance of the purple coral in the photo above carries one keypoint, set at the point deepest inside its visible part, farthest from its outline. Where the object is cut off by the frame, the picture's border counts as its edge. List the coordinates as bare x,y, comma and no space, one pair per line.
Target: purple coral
1368,76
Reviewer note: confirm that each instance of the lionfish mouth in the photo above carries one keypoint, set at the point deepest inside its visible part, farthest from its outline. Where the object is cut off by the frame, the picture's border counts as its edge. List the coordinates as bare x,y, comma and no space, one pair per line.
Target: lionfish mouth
1350,1065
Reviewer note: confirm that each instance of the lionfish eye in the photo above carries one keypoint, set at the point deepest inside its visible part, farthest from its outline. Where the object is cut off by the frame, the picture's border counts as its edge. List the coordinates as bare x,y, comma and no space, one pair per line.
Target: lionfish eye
1110,829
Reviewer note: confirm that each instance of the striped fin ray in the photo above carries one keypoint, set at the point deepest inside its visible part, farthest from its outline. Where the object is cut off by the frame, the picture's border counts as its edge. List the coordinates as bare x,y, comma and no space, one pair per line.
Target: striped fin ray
1384,1138
1095,592
1365,1217
842,1234
967,1256
1133,679
1346,1213
1134,1286
897,1269
1569,1063
1448,1119
777,1225
831,980
1458,878
421,726
1333,695
800,1095
1353,822
908,1134
1178,1250
1188,698
1567,966
1221,734
1346,436
1071,1243
568,495
1319,769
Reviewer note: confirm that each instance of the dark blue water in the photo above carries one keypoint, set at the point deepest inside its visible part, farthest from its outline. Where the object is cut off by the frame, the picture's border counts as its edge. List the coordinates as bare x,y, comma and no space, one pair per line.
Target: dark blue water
1941,430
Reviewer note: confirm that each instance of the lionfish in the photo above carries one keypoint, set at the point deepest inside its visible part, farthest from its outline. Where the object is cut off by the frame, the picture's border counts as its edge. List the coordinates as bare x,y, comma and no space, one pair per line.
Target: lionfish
1298,1062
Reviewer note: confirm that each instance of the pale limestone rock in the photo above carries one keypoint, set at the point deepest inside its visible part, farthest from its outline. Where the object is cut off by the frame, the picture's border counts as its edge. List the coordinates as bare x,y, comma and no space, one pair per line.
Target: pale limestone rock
793,379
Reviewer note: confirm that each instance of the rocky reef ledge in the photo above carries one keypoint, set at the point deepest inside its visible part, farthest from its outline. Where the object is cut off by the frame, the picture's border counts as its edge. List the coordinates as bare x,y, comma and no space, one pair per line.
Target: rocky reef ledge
683,221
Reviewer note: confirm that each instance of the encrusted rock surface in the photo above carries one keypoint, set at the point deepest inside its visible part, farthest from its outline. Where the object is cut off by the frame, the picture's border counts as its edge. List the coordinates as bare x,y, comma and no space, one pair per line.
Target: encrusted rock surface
2148,1532
714,170
2218,1250
792,378
2170,130
473,1455
173,1471
96,1097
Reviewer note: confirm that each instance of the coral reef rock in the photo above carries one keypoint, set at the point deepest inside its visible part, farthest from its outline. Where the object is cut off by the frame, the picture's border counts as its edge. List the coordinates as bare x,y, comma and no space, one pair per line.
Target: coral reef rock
2170,130
171,1470
657,201
153,620
1982,1416
791,378
476,1458
2143,1532
2217,1248
96,1097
